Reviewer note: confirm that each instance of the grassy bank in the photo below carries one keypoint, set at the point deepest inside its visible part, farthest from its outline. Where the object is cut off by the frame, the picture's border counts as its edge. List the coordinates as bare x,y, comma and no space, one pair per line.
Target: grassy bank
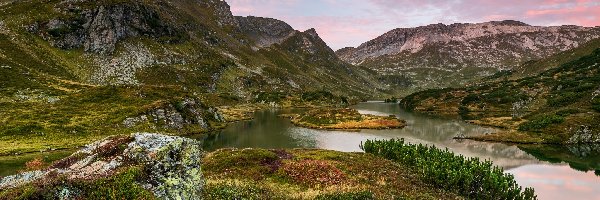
311,174
343,119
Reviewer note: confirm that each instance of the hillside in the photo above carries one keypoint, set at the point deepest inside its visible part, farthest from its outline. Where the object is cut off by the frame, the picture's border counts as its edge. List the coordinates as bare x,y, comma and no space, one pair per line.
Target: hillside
558,106
87,69
439,55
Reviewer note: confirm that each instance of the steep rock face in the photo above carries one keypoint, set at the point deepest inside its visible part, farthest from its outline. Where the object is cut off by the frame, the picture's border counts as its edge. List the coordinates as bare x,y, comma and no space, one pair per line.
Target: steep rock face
265,31
172,164
463,51
98,29
221,10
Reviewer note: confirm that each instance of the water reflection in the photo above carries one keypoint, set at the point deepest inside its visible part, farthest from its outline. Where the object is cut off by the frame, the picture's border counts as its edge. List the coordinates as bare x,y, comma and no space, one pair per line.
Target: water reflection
581,157
531,165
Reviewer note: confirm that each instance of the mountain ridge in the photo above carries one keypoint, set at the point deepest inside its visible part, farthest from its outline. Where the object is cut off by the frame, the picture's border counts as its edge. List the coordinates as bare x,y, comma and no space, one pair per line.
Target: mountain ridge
439,55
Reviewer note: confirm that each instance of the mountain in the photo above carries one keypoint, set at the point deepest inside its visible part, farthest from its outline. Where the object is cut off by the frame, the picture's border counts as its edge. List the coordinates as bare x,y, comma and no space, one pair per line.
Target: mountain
439,55
559,106
87,69
196,44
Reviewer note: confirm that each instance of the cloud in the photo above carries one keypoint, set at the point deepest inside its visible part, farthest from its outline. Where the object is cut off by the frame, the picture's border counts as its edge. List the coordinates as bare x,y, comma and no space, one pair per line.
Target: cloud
344,23
558,182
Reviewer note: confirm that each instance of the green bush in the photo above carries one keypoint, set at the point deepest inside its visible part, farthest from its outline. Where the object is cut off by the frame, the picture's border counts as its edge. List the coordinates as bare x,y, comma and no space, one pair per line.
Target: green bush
469,177
471,98
266,97
391,100
541,122
564,99
596,104
567,112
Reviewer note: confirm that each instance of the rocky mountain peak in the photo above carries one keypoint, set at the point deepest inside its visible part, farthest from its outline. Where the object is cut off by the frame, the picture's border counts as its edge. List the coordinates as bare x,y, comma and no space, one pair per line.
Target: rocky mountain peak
509,23
264,31
312,32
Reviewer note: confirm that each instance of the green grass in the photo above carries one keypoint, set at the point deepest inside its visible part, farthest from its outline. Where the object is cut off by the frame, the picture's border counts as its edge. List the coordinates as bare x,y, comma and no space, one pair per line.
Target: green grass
86,116
539,123
310,174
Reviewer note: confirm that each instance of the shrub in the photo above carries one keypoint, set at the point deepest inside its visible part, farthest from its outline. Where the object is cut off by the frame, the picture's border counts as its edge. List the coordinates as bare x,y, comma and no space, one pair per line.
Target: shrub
596,104
391,100
564,99
567,112
469,177
471,98
270,97
541,122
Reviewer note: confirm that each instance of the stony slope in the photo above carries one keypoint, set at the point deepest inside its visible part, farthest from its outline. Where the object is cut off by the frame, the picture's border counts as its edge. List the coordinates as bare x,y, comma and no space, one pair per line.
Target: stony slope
440,55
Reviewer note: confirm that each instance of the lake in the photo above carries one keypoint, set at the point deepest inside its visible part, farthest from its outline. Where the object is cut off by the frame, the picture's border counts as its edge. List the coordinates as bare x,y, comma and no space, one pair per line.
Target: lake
555,172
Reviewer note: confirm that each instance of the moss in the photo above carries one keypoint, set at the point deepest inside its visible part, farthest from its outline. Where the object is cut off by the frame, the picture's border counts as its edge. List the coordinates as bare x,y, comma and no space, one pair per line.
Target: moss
123,185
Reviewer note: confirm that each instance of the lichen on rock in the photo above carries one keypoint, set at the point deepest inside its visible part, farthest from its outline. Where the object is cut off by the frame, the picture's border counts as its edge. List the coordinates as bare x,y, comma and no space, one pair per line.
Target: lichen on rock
171,164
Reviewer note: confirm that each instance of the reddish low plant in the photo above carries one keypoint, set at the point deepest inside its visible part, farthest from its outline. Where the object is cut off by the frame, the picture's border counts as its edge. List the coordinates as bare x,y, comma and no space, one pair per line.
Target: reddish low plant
35,164
314,173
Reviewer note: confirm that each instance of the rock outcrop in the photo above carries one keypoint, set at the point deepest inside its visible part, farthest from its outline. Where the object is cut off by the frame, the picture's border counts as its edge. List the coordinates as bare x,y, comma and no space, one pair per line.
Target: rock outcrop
172,165
265,31
98,29
184,114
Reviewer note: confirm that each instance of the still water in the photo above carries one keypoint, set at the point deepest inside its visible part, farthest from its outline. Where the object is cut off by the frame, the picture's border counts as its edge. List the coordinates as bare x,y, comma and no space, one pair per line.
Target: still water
554,172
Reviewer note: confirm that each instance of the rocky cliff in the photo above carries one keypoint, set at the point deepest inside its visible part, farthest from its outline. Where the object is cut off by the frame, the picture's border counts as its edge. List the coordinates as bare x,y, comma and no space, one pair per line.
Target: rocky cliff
440,55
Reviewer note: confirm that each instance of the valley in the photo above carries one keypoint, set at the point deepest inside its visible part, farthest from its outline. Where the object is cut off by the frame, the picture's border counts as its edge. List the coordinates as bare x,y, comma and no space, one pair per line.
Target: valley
184,100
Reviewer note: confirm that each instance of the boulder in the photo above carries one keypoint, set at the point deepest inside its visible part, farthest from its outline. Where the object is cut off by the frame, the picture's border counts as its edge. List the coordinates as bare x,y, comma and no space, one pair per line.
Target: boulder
172,164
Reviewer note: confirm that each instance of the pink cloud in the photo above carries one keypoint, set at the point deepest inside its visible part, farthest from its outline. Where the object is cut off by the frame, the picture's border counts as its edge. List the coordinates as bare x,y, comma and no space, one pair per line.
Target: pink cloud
344,23
558,182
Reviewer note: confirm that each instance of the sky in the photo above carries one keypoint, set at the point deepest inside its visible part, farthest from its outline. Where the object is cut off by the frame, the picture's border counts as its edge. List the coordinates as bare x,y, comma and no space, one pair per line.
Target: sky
348,23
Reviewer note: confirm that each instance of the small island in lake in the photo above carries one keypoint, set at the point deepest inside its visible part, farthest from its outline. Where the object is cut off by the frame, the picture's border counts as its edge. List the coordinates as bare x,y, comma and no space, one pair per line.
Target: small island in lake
344,119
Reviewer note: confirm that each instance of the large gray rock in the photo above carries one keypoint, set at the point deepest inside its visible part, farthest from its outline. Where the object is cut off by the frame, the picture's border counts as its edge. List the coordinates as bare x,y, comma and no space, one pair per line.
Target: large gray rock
173,164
